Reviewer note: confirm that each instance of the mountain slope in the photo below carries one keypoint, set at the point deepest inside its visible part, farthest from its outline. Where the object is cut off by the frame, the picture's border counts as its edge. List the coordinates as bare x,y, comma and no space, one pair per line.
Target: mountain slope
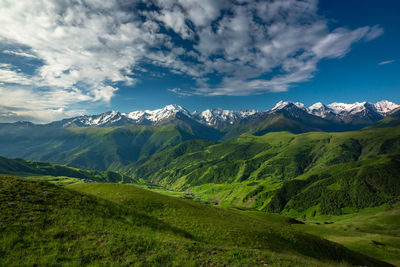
98,148
39,169
126,225
341,188
252,171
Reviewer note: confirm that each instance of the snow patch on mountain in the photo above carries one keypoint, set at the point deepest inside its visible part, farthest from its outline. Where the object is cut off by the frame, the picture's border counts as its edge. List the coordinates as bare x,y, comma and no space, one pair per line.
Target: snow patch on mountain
283,104
385,107
319,109
213,117
340,110
157,115
343,108
106,118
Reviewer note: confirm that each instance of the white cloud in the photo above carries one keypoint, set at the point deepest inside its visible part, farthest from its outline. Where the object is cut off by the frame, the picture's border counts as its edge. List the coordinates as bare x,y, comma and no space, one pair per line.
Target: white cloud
25,103
175,20
35,115
19,53
180,91
9,75
386,62
88,47
374,33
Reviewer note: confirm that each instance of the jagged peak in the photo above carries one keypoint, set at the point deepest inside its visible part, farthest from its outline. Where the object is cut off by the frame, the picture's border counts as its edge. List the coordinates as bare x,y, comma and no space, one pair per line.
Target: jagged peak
318,105
283,104
173,107
385,106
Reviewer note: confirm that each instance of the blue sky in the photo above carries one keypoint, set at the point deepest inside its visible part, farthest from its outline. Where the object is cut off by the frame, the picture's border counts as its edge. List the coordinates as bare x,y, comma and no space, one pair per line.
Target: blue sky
59,59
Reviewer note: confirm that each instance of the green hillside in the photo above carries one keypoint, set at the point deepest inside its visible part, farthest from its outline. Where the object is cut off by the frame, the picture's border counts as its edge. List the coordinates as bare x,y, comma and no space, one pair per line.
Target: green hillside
282,120
97,148
391,121
125,147
57,173
114,148
43,224
277,123
281,171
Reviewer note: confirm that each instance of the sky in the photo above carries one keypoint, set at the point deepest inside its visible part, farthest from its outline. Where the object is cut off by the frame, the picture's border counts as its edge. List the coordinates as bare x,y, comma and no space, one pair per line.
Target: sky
67,58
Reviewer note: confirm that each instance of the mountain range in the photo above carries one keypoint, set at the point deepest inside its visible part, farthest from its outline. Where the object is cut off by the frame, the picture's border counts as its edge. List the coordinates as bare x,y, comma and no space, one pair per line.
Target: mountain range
114,141
359,113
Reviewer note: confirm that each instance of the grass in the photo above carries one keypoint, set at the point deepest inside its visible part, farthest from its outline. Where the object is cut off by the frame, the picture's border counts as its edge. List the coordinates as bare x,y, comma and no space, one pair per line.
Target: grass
277,171
113,224
372,231
97,148
59,174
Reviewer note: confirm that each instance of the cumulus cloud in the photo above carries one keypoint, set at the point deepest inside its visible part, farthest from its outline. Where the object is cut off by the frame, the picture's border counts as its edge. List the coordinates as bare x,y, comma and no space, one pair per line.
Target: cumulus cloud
89,48
24,103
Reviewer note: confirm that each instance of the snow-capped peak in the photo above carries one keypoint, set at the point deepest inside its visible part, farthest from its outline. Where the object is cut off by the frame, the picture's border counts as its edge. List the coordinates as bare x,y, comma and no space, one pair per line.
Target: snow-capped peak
157,115
340,108
103,119
174,107
316,106
319,109
283,104
213,117
383,107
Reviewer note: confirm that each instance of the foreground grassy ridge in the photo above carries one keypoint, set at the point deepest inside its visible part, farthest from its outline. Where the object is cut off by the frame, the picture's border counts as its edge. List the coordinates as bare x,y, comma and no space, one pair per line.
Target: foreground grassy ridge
220,227
266,172
58,173
44,224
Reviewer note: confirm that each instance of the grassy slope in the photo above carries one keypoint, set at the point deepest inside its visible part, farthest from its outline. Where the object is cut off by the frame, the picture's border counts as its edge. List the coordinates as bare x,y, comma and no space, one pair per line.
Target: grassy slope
44,224
372,231
216,226
250,170
390,121
342,188
57,173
